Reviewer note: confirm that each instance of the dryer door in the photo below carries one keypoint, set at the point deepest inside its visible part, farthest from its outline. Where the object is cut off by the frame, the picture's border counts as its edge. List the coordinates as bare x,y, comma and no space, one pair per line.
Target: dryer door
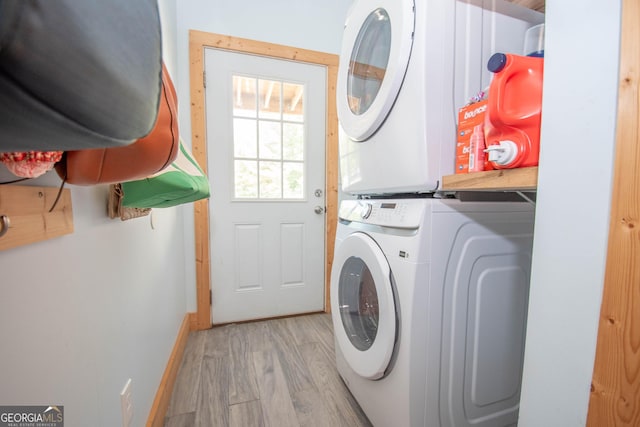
376,46
362,305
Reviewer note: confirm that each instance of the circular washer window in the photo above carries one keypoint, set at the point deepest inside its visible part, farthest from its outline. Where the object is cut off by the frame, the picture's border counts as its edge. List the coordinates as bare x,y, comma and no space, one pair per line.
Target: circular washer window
363,305
358,299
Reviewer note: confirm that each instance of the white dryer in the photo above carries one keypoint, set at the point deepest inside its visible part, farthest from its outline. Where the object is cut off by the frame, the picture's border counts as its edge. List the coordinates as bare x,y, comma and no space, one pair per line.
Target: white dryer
405,67
428,301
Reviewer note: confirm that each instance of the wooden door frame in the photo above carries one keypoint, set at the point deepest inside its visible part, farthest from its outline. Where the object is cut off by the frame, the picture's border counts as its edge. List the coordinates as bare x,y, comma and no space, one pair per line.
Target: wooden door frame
615,387
198,41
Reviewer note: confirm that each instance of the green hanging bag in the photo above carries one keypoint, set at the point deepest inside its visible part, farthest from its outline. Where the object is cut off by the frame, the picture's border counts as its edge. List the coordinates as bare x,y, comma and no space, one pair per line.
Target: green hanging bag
183,181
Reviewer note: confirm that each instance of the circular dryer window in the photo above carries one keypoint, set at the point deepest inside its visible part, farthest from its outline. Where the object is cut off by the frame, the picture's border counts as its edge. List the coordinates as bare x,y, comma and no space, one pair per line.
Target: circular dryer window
358,301
376,46
363,305
369,61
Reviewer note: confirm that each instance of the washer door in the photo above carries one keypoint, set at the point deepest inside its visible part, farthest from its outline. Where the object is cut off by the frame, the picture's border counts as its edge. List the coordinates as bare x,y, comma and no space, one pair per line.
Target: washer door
376,46
362,305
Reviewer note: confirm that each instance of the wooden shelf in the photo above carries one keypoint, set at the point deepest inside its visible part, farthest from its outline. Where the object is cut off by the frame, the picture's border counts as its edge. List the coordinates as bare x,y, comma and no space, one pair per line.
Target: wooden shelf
27,210
521,179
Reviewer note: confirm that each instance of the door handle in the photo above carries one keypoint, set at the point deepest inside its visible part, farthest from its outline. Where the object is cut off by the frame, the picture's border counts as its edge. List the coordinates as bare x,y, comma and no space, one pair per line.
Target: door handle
318,209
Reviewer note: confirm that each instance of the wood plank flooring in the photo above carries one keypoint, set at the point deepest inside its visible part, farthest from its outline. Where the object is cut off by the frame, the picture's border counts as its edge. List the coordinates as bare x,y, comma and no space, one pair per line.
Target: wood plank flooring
272,373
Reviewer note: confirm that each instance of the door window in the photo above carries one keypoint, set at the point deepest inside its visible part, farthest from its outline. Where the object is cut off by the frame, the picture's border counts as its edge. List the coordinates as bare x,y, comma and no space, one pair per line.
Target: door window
358,302
369,61
268,139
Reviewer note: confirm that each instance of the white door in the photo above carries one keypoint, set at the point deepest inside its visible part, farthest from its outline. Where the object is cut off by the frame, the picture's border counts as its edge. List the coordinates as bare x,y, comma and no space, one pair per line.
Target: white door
266,122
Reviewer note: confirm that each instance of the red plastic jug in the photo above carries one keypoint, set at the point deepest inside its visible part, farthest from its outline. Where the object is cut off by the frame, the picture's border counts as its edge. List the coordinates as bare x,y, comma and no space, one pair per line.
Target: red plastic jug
512,121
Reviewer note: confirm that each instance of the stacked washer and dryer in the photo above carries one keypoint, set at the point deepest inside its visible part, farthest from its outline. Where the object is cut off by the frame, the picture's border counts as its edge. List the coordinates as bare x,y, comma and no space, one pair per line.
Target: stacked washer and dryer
428,293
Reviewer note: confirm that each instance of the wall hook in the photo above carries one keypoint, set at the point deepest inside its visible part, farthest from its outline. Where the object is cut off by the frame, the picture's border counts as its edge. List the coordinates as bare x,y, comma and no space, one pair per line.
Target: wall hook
5,223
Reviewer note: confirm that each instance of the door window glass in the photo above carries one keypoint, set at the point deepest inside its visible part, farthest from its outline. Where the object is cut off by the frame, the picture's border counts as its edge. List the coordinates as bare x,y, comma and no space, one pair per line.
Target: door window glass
358,302
268,139
369,60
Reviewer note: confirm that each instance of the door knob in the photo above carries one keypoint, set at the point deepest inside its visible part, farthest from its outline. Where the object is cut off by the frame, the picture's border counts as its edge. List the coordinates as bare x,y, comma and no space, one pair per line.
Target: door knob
318,210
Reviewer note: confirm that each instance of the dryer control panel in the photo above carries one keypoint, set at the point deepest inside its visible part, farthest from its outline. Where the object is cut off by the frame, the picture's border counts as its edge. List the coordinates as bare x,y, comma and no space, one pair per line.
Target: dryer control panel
385,213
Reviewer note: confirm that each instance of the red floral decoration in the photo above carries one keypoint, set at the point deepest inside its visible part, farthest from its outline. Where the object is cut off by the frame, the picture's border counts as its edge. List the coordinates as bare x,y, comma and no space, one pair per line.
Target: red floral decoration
30,164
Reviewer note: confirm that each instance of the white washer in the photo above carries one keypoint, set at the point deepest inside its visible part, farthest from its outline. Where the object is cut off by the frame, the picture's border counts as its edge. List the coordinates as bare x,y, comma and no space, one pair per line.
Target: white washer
405,67
428,300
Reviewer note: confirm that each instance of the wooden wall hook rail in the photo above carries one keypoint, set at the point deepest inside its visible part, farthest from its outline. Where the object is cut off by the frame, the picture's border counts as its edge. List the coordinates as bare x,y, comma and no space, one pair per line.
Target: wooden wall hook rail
26,210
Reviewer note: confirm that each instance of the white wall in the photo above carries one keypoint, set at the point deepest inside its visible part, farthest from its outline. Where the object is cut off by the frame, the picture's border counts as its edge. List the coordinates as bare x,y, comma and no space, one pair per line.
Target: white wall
572,216
81,314
307,24
169,51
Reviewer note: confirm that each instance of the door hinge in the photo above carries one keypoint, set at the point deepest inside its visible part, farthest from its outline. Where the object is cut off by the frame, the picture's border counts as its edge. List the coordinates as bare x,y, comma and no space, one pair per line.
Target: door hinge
210,297
204,78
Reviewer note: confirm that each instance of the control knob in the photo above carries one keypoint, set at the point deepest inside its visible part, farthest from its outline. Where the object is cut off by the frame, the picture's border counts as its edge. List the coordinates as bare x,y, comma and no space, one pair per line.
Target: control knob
365,212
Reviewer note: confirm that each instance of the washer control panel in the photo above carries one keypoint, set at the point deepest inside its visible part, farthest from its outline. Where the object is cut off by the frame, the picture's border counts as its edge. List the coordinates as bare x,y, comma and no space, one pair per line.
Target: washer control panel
385,213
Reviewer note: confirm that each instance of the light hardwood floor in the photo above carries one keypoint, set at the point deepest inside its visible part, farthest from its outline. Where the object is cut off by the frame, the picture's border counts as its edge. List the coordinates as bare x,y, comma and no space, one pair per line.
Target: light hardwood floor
276,373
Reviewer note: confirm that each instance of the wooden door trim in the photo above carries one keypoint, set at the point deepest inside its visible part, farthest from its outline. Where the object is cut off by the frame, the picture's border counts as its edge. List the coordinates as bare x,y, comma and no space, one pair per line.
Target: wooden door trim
198,41
615,387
